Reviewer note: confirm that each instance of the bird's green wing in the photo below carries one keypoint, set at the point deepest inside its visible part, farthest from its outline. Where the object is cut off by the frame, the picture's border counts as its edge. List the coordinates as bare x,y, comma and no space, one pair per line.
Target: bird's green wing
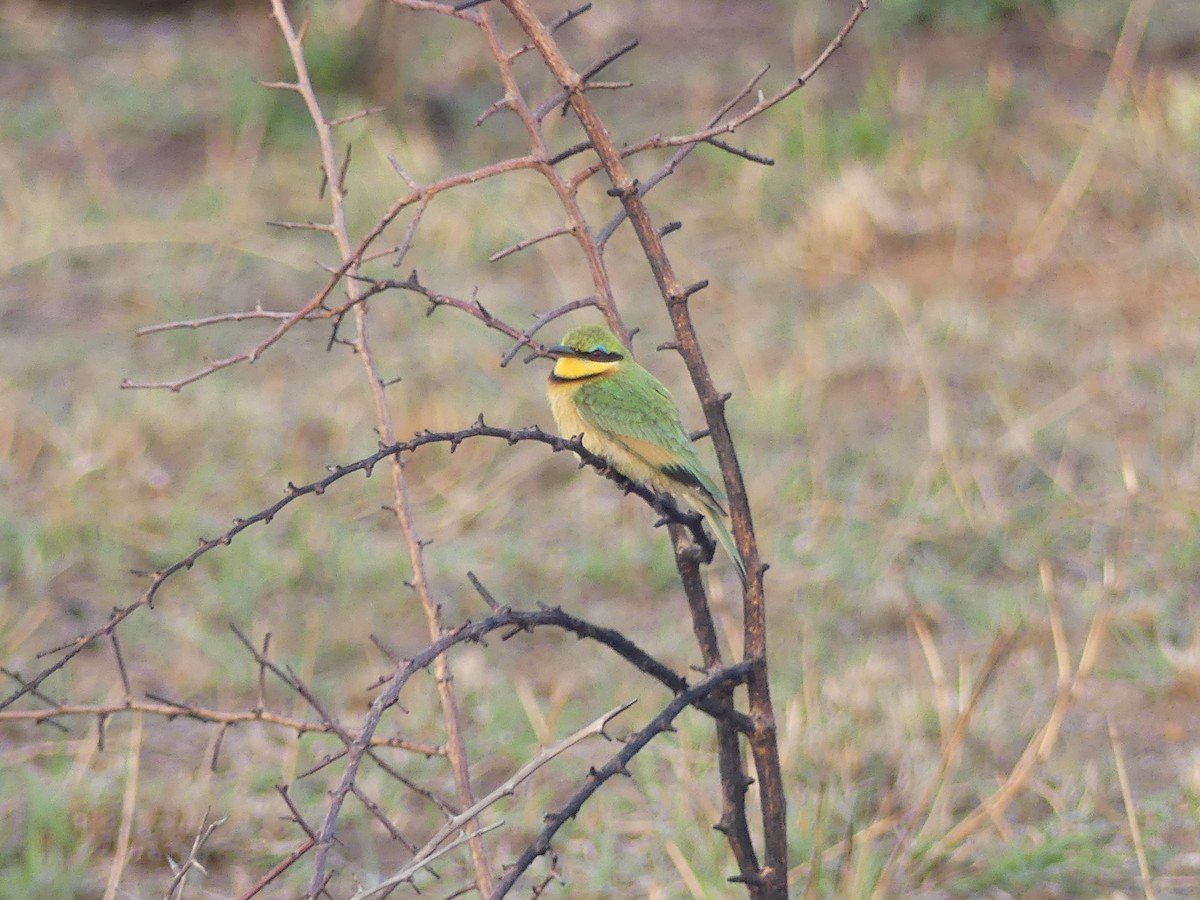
634,408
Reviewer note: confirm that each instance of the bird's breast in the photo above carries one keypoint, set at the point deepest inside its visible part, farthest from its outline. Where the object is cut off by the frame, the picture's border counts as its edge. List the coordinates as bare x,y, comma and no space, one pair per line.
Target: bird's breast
563,408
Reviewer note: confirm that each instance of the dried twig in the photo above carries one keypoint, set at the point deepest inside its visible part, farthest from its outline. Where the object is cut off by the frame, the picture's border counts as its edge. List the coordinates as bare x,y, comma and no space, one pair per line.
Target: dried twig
618,765
192,861
1135,831
430,851
1046,234
128,806
169,709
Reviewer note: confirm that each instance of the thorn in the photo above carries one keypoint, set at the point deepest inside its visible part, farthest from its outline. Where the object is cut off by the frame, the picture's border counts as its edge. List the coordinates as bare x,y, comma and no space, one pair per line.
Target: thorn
669,228
749,878
622,193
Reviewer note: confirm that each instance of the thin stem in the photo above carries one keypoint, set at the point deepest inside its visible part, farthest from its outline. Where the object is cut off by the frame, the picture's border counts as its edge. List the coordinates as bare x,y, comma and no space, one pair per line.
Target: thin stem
455,745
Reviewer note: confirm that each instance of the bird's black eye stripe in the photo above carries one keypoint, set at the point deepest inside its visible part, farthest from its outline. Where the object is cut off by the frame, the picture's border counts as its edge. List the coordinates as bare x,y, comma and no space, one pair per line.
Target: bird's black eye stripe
601,355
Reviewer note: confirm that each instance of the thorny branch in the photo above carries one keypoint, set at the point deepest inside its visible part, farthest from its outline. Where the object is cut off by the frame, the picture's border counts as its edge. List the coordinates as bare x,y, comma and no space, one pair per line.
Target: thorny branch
474,632
769,883
661,503
618,765
174,710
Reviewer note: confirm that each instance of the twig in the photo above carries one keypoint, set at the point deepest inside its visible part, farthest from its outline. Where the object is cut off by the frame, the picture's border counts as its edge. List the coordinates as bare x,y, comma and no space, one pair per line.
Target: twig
645,186
1135,831
1046,234
952,742
409,871
618,765
436,299
279,868
169,709
205,321
181,870
541,321
734,783
764,103
564,188
377,811
128,806
505,789
528,242
584,82
353,117
314,308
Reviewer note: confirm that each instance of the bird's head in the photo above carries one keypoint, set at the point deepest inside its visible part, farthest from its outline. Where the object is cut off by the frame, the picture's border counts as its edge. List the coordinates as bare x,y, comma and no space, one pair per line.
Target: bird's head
586,352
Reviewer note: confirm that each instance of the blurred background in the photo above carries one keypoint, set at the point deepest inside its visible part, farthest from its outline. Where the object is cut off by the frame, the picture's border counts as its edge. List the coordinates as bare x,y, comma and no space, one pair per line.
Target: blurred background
952,392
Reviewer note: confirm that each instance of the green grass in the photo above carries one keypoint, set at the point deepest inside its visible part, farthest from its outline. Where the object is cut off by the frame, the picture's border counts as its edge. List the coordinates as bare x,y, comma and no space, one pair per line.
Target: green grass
46,851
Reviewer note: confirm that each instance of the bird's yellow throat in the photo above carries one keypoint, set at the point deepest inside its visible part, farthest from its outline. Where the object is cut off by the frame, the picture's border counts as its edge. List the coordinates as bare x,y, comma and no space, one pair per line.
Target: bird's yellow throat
570,368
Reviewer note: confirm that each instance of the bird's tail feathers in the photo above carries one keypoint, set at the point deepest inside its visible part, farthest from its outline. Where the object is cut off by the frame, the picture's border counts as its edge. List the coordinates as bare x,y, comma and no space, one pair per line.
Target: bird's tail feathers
721,530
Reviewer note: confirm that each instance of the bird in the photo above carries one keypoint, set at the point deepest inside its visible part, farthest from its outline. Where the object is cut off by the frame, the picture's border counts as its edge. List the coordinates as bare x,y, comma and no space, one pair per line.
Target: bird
625,415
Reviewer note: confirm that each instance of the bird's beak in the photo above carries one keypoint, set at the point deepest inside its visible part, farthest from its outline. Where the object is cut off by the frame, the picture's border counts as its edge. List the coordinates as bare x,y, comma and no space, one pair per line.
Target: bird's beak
559,350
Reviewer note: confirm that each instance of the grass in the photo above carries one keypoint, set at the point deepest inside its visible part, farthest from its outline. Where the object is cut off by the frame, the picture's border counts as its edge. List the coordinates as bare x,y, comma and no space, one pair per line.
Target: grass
921,431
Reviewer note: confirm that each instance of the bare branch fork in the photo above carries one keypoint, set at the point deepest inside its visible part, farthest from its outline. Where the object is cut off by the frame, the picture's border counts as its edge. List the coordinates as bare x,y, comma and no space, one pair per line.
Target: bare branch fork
359,744
540,160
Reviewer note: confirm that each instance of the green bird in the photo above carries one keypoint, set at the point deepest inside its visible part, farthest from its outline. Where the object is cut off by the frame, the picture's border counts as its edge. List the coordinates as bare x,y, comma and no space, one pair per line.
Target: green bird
625,415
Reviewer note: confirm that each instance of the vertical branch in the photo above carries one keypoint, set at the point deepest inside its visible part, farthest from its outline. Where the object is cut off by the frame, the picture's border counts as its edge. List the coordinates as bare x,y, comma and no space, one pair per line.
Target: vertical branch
733,823
563,188
455,745
773,876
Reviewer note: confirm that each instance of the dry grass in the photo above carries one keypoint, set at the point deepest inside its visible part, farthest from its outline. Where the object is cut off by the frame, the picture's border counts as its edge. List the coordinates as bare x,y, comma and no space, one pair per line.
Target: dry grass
939,451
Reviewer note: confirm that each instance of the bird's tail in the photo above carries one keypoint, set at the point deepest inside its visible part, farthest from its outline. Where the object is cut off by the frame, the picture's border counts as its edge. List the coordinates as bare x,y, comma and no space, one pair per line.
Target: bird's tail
717,521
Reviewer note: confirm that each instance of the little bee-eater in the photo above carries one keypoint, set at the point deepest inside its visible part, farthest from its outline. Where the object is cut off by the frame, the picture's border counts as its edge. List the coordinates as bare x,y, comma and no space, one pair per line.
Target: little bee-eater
626,415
